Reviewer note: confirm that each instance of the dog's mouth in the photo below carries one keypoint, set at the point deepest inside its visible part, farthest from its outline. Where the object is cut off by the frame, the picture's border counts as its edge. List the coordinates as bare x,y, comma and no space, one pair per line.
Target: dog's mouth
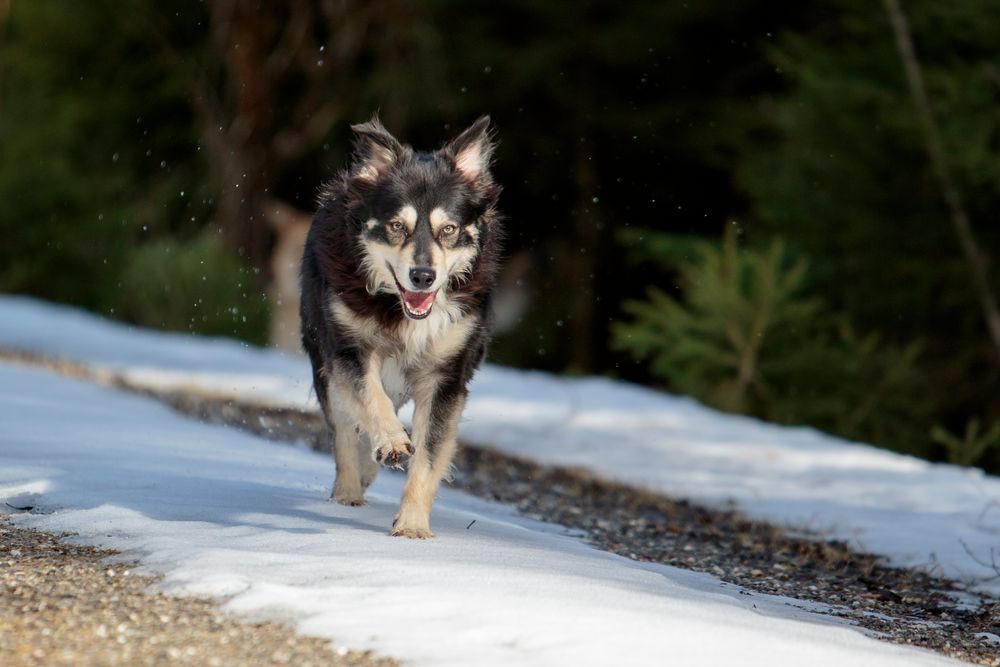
416,305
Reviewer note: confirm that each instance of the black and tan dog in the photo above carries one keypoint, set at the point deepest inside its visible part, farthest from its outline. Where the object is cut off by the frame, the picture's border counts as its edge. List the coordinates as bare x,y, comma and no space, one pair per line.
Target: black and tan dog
397,278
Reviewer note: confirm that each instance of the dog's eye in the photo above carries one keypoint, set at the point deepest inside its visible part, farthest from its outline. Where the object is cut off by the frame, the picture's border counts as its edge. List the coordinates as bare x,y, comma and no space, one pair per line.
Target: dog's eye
448,229
397,226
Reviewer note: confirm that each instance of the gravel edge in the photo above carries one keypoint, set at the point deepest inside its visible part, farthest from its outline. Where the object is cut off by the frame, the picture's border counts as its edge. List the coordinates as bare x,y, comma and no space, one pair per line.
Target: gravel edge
896,605
67,604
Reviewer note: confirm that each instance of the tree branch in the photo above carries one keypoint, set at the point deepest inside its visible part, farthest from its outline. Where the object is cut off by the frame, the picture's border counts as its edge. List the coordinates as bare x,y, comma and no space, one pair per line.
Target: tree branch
285,51
977,260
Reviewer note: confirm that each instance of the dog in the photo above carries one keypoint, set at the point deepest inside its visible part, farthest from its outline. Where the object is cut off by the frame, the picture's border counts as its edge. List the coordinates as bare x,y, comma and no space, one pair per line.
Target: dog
398,274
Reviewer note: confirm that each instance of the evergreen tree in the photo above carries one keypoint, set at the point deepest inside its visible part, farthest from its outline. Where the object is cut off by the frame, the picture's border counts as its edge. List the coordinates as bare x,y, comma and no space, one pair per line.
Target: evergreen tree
744,335
839,167
87,168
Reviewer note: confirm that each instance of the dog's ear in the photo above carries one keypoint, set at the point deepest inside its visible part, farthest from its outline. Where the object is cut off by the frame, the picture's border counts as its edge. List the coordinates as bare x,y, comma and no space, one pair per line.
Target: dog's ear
375,150
472,150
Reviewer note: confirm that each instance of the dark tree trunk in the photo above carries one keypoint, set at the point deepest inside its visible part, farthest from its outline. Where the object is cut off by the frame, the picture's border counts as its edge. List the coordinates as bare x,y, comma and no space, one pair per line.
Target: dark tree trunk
279,75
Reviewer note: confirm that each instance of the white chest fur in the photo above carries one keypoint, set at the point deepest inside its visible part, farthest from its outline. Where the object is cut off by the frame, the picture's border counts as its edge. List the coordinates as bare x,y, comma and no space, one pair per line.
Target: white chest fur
439,334
394,382
424,343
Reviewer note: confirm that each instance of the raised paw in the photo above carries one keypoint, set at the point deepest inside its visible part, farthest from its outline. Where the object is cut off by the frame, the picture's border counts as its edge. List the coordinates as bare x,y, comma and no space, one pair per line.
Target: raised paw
393,455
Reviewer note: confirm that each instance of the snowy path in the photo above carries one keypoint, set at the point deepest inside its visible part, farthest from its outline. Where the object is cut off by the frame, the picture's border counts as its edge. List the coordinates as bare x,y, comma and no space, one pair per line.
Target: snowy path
914,513
221,513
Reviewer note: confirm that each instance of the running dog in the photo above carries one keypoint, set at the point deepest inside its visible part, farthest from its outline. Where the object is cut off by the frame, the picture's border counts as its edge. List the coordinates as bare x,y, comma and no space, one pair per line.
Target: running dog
397,279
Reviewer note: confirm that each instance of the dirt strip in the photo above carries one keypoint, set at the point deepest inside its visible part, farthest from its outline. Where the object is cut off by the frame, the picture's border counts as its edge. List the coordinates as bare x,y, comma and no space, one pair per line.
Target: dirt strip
896,605
63,604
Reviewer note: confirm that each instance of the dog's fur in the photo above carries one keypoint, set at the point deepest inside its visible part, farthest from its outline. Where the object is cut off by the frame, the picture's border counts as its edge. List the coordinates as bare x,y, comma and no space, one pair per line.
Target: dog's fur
397,277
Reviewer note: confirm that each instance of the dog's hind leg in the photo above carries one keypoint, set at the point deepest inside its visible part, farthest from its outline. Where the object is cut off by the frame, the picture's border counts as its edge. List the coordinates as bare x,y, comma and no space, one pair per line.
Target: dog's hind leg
369,466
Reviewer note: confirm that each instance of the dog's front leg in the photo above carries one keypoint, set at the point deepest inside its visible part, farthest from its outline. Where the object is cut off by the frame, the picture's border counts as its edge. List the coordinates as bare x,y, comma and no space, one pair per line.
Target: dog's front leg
435,424
359,390
348,488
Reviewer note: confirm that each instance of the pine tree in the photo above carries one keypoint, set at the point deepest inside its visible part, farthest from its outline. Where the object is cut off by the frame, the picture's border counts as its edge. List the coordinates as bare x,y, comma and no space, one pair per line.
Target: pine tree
745,335
839,167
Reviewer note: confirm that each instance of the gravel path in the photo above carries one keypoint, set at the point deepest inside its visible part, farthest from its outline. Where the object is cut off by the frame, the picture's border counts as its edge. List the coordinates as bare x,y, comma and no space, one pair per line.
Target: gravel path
62,604
896,605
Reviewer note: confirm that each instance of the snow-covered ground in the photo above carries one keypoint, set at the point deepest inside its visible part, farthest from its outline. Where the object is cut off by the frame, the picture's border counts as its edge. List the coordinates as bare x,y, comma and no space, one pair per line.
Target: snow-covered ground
219,512
914,513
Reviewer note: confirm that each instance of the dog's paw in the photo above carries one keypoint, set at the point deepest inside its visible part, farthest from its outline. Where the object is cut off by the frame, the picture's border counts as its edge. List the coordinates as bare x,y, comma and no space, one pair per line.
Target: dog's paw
412,532
350,501
415,525
394,453
347,496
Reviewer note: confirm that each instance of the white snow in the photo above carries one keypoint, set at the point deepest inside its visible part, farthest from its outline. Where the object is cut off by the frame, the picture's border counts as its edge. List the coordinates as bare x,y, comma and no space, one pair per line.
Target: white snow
939,517
914,513
219,512
154,358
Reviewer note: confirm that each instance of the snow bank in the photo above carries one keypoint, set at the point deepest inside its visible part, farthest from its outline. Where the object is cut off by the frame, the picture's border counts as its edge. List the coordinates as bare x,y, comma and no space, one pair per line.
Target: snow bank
222,513
914,513
155,358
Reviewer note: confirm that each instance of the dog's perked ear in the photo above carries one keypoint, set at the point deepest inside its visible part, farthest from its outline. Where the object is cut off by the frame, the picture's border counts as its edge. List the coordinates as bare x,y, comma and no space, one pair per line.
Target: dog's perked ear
375,151
472,150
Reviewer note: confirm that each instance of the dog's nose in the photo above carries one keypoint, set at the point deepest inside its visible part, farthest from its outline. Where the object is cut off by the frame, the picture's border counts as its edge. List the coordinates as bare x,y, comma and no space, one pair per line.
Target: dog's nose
422,278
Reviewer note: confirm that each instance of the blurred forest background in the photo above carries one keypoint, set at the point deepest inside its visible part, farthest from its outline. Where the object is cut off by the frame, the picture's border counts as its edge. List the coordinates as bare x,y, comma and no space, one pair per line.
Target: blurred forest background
784,209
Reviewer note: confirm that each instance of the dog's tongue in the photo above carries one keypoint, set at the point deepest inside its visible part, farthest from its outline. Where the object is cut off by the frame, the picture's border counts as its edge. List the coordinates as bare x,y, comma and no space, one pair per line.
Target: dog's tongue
418,301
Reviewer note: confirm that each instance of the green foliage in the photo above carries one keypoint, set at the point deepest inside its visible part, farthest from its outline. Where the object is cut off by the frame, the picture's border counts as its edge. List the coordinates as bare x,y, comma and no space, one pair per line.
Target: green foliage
842,173
195,285
744,335
796,120
97,159
710,344
972,446
886,396
52,180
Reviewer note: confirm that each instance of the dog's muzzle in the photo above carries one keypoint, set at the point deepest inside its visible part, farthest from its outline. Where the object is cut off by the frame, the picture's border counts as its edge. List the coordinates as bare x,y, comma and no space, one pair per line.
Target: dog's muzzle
416,305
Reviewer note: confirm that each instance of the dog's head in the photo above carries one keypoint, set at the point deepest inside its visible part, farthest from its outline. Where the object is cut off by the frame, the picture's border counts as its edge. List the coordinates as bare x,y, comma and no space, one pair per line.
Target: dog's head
421,216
